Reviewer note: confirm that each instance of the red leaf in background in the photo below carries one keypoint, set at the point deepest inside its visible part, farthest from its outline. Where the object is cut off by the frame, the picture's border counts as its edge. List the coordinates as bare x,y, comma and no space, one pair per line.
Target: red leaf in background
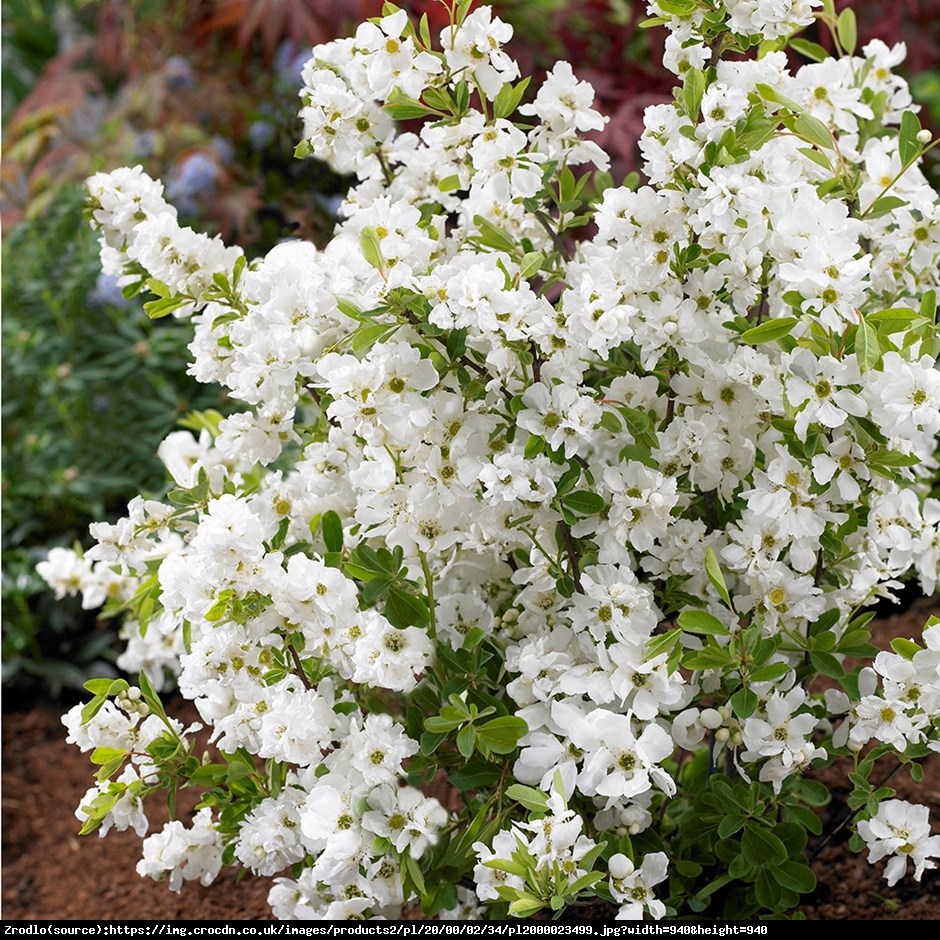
63,86
305,21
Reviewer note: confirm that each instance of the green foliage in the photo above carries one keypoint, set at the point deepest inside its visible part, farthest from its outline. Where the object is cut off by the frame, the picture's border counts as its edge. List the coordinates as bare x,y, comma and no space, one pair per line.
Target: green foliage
89,390
740,847
30,40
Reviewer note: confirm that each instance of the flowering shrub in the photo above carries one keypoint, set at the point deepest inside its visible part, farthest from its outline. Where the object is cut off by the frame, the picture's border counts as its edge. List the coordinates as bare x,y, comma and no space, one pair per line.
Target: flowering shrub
565,491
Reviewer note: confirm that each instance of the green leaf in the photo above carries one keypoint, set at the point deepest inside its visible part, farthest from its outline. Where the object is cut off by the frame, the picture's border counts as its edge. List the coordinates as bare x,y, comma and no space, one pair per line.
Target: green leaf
90,709
348,309
532,799
744,703
366,336
105,755
449,184
438,99
438,724
761,847
508,98
908,146
523,907
531,263
157,287
809,49
413,872
584,502
677,7
155,309
105,686
796,876
713,570
766,890
209,775
769,673
769,93
928,305
406,610
891,458
501,735
905,647
688,869
827,664
883,206
473,777
492,236
813,130
847,30
867,349
768,332
424,31
693,89
662,643
370,247
893,320
729,825
400,107
701,621
710,657
820,159
714,886
364,564
805,817
534,446
466,740
332,531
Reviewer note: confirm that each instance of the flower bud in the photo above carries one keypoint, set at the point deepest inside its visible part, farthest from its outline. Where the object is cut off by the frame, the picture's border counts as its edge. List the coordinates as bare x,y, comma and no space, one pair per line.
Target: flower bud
620,866
923,136
711,718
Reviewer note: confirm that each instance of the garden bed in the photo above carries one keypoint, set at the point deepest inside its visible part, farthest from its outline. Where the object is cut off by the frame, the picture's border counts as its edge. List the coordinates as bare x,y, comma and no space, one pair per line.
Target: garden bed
51,873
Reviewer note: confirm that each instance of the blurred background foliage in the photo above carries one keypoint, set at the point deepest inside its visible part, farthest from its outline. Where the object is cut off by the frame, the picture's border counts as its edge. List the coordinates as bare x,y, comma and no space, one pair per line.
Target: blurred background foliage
203,94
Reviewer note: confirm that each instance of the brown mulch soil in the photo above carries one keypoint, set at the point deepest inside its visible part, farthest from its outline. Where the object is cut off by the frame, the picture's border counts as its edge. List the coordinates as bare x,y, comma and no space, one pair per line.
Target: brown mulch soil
49,872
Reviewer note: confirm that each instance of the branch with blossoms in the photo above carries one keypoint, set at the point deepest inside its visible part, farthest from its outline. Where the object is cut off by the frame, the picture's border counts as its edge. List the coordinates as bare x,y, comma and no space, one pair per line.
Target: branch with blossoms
558,491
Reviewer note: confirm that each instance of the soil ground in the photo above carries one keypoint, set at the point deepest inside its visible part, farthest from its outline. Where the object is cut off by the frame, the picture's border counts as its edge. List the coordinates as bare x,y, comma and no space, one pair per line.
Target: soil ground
49,872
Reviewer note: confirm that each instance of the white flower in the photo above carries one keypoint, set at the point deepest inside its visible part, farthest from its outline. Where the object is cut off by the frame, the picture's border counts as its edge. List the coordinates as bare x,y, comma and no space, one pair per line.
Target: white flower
184,854
473,50
64,571
619,764
269,838
902,830
631,887
406,817
127,812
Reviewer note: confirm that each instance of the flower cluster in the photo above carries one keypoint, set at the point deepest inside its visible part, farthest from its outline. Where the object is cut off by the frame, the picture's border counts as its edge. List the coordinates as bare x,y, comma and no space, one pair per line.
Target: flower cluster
901,830
516,495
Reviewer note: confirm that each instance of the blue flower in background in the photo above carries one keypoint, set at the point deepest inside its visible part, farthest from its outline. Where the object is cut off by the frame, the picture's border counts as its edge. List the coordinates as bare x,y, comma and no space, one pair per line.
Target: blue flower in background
145,143
193,181
261,133
289,61
178,73
223,148
106,293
